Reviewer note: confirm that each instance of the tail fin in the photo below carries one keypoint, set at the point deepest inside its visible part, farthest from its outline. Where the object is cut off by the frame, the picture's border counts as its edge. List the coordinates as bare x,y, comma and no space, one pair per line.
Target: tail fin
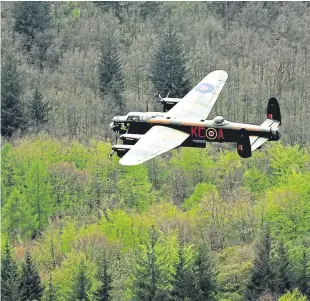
273,110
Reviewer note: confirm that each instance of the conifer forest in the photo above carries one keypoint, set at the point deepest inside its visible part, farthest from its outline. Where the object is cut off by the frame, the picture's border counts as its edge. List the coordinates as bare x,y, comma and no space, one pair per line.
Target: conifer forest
190,225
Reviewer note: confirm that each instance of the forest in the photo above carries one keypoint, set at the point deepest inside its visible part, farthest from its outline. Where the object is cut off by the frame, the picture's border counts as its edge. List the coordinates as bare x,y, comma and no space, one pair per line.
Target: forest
194,224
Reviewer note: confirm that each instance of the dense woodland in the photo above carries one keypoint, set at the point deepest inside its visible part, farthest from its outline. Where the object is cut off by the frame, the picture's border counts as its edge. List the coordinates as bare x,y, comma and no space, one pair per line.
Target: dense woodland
194,224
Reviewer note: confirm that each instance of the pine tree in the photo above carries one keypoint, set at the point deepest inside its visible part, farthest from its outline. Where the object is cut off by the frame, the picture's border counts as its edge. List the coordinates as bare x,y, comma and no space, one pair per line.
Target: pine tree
104,291
111,80
38,110
201,279
9,276
149,271
12,115
30,286
33,21
168,69
263,277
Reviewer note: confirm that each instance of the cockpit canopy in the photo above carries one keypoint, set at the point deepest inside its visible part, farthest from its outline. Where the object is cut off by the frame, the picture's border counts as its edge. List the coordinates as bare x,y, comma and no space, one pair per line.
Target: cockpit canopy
137,116
218,120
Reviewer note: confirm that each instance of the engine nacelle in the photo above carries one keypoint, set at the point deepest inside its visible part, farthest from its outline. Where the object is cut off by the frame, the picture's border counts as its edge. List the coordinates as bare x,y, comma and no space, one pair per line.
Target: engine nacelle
120,149
168,102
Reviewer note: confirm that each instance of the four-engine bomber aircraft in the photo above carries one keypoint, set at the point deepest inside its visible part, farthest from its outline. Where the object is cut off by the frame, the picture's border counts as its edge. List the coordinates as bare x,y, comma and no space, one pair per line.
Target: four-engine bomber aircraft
183,123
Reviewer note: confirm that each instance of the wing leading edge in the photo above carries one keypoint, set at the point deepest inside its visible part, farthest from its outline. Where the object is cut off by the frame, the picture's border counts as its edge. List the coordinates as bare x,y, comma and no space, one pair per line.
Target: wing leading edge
156,141
198,103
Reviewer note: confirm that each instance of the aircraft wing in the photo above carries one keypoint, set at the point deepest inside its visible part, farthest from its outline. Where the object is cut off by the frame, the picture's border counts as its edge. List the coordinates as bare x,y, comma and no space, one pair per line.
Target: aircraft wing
156,141
198,103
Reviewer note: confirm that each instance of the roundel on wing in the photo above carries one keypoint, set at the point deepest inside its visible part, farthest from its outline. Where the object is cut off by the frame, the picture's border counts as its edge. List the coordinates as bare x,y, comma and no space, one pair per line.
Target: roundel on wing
205,88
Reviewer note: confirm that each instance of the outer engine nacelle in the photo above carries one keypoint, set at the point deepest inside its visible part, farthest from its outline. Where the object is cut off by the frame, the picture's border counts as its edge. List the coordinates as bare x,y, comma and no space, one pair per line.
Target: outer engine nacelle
168,102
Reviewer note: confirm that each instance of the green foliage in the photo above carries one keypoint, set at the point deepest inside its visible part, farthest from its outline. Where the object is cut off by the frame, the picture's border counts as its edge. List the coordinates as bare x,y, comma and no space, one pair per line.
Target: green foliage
219,200
142,196
235,265
38,110
9,275
295,295
202,276
103,292
285,160
12,113
168,68
17,217
30,286
154,269
288,207
124,229
33,23
181,281
263,277
255,180
202,192
111,81
282,269
75,279
38,193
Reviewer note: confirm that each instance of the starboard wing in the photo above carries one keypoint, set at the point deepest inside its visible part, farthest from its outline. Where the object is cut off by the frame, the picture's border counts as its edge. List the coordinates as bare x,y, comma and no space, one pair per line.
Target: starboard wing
198,103
156,141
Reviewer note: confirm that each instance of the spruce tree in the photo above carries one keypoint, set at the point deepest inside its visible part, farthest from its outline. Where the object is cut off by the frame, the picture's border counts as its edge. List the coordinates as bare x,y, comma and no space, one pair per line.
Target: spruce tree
30,286
201,279
12,115
303,282
38,110
9,276
168,71
182,278
33,22
104,290
81,284
281,267
111,80
148,272
263,277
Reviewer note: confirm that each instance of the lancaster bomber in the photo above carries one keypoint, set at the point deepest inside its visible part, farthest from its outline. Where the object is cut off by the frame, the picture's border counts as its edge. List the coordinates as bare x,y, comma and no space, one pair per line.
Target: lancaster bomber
183,123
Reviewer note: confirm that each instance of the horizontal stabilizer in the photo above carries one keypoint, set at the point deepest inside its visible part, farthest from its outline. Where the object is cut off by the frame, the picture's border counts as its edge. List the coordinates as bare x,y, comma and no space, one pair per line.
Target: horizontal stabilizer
257,141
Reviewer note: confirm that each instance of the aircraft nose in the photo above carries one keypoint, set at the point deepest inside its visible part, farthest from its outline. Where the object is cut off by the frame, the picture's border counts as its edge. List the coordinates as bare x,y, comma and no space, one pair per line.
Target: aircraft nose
115,118
111,125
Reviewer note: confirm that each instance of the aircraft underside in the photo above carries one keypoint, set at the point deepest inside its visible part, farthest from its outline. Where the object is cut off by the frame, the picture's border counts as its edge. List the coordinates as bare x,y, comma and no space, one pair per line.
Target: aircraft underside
147,135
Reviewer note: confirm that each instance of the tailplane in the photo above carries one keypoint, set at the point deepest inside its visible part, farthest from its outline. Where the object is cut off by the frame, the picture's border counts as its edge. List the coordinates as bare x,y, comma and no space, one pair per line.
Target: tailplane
273,121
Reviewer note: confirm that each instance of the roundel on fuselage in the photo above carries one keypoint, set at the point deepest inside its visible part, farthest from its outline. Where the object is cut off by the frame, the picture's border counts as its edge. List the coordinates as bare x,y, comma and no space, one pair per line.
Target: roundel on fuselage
205,88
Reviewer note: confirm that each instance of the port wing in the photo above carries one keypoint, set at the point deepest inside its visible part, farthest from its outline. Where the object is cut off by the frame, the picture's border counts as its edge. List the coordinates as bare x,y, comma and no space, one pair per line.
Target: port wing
156,141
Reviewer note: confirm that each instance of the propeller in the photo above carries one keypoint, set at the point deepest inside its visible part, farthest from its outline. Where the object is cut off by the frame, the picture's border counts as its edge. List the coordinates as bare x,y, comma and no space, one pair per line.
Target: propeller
161,98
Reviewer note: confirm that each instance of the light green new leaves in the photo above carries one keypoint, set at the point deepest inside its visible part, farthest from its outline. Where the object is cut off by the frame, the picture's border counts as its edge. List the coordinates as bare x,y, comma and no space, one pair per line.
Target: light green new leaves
17,218
134,188
295,295
288,205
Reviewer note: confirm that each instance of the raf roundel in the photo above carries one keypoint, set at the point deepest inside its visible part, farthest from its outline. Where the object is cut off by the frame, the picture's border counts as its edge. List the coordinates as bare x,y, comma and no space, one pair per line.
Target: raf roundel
205,88
211,133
